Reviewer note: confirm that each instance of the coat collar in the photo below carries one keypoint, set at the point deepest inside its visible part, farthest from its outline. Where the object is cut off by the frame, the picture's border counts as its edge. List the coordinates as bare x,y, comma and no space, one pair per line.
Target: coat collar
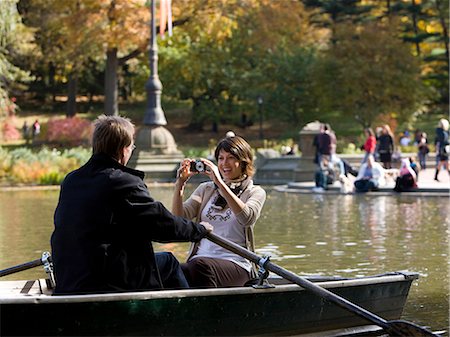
103,159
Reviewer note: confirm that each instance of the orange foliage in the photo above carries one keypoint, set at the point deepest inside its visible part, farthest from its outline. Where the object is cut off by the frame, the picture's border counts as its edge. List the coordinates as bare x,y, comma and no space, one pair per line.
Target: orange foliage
27,173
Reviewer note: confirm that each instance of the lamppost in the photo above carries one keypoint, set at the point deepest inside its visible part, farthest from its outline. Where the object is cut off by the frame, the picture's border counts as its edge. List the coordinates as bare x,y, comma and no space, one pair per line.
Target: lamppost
260,102
156,152
154,114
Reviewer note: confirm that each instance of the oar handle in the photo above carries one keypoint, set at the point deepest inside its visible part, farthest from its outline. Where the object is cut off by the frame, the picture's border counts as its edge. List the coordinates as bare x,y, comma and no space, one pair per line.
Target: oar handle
342,302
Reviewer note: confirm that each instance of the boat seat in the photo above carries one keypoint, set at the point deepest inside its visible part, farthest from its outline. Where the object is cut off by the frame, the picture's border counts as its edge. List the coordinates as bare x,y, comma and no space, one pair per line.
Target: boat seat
35,287
28,285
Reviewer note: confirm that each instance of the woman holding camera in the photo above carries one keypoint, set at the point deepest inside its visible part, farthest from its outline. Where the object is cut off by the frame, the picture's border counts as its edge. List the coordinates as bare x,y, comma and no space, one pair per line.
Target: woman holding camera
231,203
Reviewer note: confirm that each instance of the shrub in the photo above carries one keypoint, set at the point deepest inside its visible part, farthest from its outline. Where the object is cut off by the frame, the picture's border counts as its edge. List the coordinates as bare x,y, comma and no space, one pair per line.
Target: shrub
51,178
22,166
25,172
9,130
69,131
5,162
351,149
23,154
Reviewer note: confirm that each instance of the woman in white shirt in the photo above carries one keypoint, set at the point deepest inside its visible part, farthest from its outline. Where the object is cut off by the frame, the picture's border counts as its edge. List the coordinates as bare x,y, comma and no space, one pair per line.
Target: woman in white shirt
231,203
370,176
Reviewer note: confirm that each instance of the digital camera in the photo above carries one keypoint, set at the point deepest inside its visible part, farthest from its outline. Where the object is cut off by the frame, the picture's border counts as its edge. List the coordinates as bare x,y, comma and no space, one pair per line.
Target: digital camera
197,166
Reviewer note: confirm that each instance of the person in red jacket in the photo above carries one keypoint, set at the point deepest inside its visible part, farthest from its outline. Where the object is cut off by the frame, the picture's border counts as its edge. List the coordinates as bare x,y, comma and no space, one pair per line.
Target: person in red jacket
370,144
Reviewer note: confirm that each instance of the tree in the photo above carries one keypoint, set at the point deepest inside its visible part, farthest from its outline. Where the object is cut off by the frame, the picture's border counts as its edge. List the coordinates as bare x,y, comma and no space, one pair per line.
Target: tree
15,39
330,13
68,35
423,24
220,60
373,74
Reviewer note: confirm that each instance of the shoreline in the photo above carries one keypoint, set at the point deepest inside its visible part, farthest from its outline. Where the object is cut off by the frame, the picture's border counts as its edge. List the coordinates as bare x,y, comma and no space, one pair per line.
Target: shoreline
7,188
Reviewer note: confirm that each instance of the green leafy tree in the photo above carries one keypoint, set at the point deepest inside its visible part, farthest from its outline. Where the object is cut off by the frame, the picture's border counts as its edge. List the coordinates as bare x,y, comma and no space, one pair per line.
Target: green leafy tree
423,24
220,61
15,40
330,13
68,36
370,73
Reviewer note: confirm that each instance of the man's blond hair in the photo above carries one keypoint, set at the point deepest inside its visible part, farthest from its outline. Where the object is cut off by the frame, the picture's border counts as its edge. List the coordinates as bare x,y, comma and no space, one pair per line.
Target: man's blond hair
111,135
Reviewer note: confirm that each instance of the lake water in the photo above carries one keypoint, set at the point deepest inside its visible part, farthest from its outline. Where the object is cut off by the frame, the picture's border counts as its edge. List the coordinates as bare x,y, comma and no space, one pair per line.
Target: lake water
340,235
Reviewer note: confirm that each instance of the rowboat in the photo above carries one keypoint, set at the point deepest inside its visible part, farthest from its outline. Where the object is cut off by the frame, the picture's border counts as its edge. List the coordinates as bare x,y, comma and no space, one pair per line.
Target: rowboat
279,307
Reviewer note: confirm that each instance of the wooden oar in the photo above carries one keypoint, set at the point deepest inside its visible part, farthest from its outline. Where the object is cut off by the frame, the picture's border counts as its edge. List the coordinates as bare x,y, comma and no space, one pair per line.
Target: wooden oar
44,260
393,328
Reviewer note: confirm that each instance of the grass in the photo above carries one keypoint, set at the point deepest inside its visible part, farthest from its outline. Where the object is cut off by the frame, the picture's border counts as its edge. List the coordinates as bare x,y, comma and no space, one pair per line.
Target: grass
275,132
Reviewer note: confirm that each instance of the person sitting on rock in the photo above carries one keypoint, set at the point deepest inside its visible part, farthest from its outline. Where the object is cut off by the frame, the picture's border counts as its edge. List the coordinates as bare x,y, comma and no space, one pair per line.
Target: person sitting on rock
407,179
370,176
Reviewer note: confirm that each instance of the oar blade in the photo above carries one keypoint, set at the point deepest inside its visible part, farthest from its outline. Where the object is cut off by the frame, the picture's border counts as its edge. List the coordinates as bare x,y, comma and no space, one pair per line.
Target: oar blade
408,329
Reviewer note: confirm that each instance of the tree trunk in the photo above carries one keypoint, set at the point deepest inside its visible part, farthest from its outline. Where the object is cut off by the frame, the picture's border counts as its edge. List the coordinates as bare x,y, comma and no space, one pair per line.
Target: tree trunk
72,94
197,120
111,90
51,80
416,30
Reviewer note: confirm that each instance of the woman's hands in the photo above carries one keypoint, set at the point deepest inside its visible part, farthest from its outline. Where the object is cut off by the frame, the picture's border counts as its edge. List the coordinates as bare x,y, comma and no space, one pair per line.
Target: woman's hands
212,171
184,171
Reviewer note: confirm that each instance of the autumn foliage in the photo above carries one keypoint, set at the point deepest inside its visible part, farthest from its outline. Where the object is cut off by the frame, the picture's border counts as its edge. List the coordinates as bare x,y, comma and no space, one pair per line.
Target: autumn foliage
69,131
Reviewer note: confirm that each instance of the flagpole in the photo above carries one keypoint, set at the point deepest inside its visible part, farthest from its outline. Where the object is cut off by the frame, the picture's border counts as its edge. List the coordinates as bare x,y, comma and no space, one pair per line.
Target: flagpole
154,114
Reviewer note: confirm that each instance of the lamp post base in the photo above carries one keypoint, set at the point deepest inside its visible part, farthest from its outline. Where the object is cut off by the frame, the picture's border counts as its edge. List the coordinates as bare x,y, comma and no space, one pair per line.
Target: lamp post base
156,153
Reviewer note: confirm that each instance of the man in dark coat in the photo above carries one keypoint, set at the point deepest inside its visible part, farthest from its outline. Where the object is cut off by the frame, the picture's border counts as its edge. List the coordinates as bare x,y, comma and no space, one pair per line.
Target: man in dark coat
106,219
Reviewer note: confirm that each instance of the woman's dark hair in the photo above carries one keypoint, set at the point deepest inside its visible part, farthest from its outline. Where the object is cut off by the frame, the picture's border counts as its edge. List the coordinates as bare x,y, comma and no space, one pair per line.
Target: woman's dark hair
370,131
239,148
111,135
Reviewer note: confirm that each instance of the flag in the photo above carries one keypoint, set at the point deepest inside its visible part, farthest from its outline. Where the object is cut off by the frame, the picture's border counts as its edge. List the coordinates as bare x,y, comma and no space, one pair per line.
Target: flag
162,17
169,17
165,17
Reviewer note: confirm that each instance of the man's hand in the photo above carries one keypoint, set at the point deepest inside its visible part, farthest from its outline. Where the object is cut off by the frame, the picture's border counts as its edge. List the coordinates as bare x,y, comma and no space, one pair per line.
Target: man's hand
207,226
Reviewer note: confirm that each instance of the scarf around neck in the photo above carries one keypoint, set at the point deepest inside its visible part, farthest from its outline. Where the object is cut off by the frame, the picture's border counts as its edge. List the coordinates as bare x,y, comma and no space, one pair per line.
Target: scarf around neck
237,186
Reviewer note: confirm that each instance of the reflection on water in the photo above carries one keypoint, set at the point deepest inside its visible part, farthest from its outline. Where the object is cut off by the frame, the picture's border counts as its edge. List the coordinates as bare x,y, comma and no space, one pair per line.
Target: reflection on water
308,234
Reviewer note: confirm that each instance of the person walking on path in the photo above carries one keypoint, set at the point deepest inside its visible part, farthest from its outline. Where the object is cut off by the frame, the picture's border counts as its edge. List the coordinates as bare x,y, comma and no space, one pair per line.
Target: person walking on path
324,145
369,145
26,132
442,146
422,150
385,146
35,130
106,219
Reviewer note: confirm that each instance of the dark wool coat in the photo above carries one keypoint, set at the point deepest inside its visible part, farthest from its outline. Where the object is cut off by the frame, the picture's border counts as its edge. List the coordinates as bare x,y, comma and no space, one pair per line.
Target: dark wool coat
104,224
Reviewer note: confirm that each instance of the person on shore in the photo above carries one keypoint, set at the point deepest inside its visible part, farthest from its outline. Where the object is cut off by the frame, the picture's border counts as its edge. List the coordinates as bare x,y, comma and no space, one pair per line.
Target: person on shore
370,176
322,143
442,146
369,145
26,132
333,140
231,203
385,146
106,219
405,138
422,150
35,129
407,179
324,175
